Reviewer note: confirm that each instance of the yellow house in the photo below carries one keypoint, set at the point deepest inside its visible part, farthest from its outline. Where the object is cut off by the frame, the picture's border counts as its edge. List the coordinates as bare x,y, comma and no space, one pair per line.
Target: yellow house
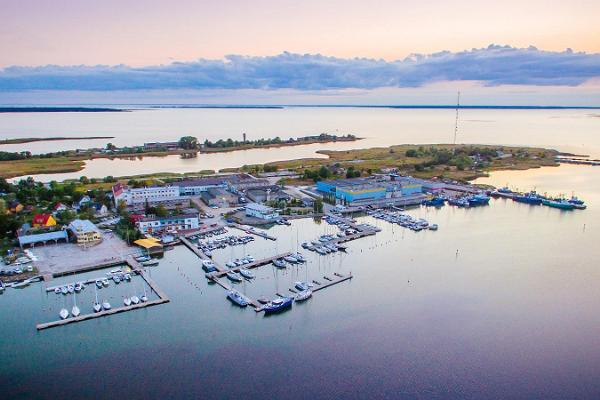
85,232
43,221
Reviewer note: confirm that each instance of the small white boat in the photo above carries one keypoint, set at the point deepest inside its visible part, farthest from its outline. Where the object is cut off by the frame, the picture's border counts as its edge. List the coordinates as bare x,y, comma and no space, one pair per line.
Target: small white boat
97,306
246,273
21,284
144,298
99,284
64,290
127,277
303,295
127,301
290,259
75,310
77,287
71,288
116,278
115,271
57,290
105,282
135,299
106,305
64,313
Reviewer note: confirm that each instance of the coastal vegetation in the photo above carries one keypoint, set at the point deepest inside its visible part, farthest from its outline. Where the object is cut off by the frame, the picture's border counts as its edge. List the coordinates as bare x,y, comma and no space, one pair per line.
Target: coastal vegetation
13,164
233,145
460,162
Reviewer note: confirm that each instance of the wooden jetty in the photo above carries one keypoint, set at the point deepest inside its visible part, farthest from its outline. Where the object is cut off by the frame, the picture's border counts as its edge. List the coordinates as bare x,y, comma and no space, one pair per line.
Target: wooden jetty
255,264
200,253
136,268
252,231
225,285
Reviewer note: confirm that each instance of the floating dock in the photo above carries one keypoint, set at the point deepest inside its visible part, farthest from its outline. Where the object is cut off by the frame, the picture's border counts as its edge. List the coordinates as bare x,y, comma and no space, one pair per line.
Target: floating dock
251,231
137,269
255,264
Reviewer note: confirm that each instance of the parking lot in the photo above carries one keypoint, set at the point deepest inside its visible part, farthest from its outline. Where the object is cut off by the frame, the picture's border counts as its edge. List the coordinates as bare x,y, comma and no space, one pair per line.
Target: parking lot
64,257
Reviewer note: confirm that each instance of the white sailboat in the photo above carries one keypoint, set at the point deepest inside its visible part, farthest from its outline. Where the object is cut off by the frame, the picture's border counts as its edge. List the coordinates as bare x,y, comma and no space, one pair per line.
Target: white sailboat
127,301
75,310
144,297
135,299
97,306
64,313
106,305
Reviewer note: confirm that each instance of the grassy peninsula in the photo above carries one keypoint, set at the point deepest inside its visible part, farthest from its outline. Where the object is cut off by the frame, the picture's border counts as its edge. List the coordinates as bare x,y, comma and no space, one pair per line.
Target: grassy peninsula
51,139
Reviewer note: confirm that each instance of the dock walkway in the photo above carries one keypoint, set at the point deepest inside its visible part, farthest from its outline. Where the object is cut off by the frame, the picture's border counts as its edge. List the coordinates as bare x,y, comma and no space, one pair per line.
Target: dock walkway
136,267
255,264
252,231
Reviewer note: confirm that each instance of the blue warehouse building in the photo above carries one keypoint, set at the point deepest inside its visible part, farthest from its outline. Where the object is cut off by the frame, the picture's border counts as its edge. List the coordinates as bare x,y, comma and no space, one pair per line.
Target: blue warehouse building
362,189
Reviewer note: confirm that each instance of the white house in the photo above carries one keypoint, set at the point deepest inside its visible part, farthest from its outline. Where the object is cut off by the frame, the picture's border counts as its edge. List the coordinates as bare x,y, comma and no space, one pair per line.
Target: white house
171,224
259,211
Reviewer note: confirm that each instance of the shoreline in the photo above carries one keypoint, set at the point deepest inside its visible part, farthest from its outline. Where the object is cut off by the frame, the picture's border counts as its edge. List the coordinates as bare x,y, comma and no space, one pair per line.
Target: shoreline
372,159
50,139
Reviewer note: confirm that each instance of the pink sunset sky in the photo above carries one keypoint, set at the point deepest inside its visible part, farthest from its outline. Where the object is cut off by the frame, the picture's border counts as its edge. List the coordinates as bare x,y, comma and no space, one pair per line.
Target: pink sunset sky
154,45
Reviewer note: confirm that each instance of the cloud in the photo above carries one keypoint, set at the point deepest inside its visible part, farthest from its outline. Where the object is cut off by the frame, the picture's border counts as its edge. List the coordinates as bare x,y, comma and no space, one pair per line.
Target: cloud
493,66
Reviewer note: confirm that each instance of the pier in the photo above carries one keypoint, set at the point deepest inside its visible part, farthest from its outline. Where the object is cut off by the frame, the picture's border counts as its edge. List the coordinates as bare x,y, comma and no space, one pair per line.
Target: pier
252,231
136,267
255,264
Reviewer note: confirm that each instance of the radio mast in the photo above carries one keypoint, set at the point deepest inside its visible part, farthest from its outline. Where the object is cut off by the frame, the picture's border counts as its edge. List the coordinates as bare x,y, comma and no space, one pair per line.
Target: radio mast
456,120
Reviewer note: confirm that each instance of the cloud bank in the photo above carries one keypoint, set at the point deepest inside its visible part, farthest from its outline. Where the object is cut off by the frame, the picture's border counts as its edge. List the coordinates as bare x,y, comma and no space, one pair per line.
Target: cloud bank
493,66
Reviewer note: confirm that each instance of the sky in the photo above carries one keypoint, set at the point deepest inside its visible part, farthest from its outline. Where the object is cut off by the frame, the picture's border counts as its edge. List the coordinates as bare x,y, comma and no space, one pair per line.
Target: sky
340,49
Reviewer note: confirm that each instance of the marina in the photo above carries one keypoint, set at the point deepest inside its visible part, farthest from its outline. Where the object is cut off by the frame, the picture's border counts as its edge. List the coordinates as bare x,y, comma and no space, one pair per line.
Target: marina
136,268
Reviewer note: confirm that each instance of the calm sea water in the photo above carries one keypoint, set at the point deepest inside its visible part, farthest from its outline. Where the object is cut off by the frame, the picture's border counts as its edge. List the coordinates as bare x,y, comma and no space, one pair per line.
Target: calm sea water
501,303
567,130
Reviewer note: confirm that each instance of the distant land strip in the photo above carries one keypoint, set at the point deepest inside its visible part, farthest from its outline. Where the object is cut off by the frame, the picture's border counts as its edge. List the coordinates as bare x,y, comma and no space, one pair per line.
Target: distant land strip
409,106
51,139
57,109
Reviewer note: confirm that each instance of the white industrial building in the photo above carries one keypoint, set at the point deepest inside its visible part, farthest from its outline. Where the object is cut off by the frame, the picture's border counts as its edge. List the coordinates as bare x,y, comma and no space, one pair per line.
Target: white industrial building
262,212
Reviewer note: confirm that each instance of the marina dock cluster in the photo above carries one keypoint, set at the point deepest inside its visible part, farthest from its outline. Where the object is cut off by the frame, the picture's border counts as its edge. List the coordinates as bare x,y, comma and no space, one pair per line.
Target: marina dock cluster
143,220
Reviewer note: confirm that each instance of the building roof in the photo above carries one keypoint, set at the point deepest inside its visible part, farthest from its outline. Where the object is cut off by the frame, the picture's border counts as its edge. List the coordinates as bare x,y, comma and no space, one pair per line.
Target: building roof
148,243
198,182
169,217
83,225
40,219
42,237
260,208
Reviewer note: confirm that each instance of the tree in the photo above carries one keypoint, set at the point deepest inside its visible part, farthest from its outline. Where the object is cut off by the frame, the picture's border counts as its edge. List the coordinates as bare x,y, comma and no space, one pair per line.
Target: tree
160,211
188,143
111,147
318,206
411,153
324,172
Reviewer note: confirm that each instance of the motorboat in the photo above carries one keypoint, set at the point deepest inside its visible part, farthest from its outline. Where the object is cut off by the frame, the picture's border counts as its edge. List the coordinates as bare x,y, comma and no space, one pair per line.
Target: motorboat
279,263
64,313
116,278
278,305
71,289
64,290
433,227
302,286
127,301
290,259
77,287
234,276
230,264
127,277
321,250
135,299
300,258
115,271
105,282
341,247
106,305
305,245
236,298
57,290
561,204
99,284
246,273
142,258
263,300
150,263
303,295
